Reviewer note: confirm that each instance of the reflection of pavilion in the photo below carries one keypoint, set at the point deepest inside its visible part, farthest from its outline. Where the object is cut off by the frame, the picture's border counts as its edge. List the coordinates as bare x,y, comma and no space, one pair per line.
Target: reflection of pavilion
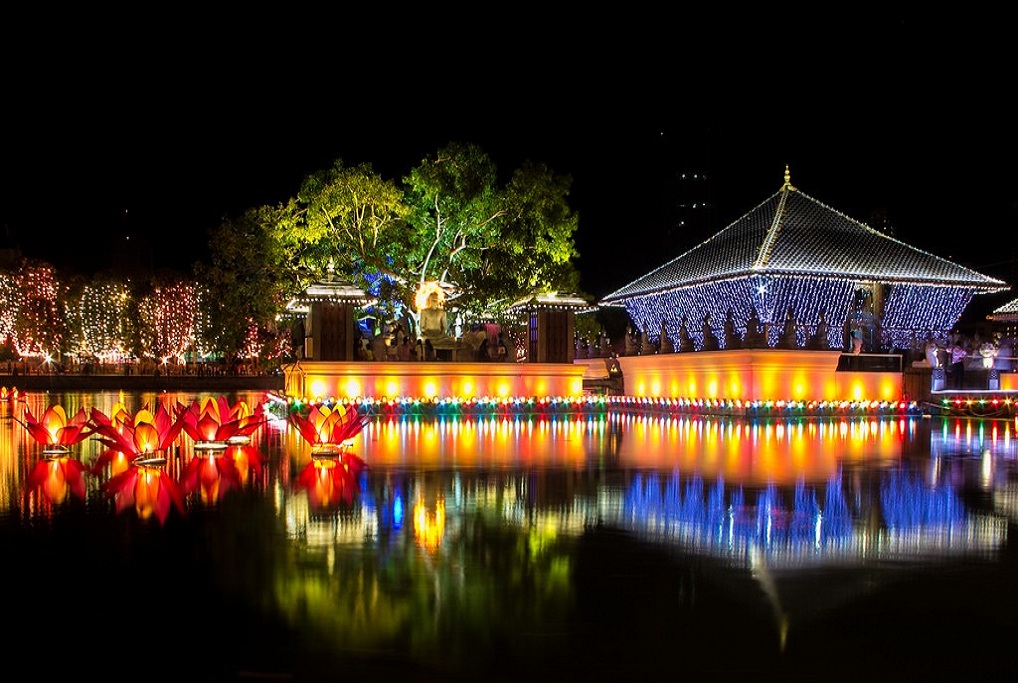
834,495
809,525
791,517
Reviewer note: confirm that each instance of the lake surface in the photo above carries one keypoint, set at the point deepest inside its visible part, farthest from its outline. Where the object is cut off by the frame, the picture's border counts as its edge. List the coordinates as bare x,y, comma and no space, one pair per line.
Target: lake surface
592,547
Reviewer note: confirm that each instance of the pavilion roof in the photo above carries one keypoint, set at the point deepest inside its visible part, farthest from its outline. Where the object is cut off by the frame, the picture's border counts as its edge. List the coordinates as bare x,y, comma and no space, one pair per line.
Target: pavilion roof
1006,313
554,301
791,233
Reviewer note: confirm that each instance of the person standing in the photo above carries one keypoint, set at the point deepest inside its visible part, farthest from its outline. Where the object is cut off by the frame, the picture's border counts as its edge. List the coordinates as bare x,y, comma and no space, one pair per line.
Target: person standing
957,352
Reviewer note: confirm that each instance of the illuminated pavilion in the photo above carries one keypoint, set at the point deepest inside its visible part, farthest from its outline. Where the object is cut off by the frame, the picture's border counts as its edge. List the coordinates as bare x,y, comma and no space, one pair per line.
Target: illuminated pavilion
807,272
793,257
1006,315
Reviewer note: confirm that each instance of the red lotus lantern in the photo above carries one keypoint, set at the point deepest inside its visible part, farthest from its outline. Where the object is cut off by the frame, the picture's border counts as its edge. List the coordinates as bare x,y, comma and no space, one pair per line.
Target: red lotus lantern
331,476
140,439
54,430
329,430
141,435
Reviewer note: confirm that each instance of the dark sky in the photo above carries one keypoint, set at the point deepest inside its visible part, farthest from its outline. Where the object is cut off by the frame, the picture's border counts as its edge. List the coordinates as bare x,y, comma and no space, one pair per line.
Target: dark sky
160,141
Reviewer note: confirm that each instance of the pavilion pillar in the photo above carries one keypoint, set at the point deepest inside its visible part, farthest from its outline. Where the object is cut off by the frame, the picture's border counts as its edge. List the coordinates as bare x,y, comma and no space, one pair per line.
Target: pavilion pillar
551,326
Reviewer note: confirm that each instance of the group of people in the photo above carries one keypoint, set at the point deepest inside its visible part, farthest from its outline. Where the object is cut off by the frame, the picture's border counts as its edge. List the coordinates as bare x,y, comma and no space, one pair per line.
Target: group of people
486,351
961,352
395,344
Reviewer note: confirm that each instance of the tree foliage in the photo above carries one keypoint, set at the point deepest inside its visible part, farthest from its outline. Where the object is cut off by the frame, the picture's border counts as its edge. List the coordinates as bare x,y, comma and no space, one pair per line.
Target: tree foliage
450,220
243,286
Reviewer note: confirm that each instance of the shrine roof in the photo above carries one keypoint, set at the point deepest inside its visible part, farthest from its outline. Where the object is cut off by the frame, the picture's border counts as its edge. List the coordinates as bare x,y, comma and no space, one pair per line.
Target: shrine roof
792,234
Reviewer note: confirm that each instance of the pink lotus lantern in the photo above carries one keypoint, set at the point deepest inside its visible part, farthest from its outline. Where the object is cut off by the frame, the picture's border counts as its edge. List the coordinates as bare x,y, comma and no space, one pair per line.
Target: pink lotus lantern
331,476
214,424
139,440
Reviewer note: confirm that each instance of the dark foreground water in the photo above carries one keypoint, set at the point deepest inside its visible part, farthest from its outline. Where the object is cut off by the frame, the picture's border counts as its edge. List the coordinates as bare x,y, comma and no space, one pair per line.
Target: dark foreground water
594,548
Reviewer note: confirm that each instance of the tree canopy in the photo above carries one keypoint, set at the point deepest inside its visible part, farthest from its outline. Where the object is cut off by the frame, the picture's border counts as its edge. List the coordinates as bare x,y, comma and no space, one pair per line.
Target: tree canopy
450,221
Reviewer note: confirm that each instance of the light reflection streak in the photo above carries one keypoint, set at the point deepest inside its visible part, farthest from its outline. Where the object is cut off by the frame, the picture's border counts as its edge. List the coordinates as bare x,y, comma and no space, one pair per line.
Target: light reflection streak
708,484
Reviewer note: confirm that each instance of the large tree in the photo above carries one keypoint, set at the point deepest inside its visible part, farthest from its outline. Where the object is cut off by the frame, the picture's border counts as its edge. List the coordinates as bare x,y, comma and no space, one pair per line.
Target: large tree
346,216
486,243
450,221
243,286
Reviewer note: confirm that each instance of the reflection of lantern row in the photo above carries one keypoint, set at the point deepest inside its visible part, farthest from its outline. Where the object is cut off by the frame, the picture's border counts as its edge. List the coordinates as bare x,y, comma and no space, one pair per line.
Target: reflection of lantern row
738,449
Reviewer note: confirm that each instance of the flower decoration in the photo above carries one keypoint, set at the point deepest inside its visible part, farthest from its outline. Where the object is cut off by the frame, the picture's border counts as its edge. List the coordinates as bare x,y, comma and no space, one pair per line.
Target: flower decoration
331,476
134,444
329,430
214,421
58,477
54,430
141,435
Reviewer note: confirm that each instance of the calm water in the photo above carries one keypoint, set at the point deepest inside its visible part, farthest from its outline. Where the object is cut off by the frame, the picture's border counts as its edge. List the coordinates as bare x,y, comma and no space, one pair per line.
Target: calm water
588,548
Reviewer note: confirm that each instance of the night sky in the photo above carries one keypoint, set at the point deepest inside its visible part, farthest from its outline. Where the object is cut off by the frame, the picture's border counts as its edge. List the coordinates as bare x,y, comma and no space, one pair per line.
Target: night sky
875,114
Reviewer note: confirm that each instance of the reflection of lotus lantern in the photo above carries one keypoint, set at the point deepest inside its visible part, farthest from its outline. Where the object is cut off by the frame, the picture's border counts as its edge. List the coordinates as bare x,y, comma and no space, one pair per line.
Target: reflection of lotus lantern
140,439
147,488
330,479
331,476
214,424
214,473
57,476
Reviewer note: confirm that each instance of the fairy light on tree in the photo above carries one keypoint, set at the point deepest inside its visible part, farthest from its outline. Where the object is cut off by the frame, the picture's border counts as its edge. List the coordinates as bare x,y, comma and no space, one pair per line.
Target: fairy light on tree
166,317
39,326
206,336
102,312
8,308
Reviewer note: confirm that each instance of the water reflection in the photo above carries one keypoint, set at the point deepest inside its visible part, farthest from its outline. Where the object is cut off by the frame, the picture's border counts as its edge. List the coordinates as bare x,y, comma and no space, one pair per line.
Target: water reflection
608,545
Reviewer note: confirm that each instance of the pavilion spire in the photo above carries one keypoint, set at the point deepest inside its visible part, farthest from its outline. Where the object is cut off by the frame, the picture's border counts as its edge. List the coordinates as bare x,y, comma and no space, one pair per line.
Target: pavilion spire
788,180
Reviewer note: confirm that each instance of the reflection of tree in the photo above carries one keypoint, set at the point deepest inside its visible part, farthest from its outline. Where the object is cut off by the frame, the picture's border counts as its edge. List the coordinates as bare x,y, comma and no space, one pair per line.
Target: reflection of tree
338,598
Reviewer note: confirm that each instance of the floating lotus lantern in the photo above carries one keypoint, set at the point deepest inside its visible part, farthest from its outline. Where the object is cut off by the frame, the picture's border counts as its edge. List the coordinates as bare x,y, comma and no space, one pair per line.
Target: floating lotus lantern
329,430
331,476
54,430
214,424
142,435
139,442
